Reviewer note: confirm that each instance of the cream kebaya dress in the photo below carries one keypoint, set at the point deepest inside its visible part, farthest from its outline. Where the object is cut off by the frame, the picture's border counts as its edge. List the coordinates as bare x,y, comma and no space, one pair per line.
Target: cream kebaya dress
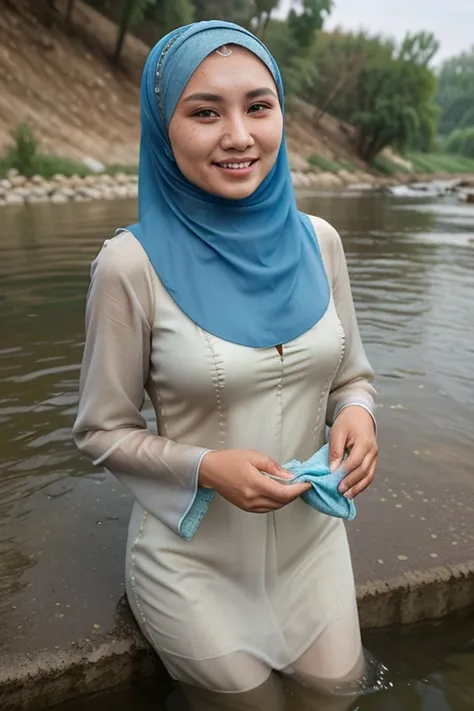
250,592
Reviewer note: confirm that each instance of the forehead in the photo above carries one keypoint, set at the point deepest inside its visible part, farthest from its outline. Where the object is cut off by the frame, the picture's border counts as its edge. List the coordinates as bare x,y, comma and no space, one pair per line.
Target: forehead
240,68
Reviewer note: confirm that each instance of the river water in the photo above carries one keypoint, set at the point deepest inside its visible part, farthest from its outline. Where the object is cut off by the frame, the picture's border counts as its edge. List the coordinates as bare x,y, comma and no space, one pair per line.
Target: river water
411,263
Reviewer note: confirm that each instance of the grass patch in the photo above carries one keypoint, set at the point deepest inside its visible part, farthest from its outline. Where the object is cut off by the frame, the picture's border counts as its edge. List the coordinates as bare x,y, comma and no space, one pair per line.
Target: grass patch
330,166
387,166
25,157
441,163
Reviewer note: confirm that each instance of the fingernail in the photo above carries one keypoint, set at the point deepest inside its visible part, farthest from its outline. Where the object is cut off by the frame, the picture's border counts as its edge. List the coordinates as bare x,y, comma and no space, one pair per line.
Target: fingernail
334,465
348,494
342,489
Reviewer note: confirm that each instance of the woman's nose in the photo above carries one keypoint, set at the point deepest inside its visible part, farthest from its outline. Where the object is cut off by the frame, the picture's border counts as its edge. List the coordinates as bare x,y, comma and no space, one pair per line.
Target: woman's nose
236,135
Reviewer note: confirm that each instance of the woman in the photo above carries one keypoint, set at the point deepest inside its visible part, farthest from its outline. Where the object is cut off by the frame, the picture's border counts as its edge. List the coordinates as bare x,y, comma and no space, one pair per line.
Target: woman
233,311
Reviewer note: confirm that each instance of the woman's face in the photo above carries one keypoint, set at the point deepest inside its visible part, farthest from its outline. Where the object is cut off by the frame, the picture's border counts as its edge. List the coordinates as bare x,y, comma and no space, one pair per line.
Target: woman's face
227,127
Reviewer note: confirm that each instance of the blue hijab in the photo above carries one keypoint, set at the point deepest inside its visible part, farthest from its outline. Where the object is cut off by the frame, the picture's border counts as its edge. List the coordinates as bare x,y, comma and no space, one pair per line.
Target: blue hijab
248,271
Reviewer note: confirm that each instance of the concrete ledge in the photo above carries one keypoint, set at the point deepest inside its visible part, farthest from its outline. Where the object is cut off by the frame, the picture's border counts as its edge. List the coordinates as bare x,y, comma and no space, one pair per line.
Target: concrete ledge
416,596
36,682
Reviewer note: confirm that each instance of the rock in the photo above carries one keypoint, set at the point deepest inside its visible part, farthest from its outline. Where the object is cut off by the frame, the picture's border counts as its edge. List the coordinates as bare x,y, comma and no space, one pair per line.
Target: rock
12,199
327,180
121,179
58,198
37,180
39,192
361,187
90,180
348,177
67,192
5,184
297,163
18,181
466,183
122,191
59,178
108,194
132,192
95,165
91,193
470,197
33,199
22,192
78,197
12,173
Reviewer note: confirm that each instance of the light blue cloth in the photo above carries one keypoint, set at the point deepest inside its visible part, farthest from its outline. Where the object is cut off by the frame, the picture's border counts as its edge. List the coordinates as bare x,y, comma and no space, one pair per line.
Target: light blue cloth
323,496
248,271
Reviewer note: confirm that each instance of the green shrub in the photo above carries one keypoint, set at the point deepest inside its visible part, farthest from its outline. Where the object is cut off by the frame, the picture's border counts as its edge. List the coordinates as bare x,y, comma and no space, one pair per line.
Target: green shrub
461,141
328,165
25,157
384,164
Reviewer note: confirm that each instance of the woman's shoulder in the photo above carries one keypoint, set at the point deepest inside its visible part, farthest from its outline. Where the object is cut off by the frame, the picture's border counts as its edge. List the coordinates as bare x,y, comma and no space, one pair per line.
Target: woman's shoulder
328,238
121,254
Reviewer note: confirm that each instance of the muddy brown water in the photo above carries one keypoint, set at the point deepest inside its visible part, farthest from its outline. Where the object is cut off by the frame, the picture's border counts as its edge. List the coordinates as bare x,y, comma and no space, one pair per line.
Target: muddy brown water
412,268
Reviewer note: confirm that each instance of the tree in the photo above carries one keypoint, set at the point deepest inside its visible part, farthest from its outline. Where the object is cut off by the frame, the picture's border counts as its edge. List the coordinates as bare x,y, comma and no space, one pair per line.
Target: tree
419,48
456,92
133,11
385,91
69,11
263,13
238,11
305,21
165,14
461,141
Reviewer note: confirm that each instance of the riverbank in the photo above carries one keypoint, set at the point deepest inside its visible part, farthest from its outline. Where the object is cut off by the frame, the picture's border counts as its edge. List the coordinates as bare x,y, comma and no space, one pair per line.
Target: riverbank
16,189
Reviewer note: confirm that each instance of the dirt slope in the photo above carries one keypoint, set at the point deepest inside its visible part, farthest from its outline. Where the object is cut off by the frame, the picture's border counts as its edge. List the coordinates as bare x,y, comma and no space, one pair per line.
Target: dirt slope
63,84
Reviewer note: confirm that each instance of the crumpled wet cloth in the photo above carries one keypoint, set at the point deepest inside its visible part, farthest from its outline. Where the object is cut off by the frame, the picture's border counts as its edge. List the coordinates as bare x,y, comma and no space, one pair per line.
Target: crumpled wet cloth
324,494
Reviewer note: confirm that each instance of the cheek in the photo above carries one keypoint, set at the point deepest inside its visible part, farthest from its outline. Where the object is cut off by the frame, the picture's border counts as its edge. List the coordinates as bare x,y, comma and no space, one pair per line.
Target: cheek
189,147
271,137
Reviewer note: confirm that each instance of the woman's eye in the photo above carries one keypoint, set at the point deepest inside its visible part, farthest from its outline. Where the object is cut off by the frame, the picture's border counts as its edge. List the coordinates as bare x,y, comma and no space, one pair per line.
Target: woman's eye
258,108
205,113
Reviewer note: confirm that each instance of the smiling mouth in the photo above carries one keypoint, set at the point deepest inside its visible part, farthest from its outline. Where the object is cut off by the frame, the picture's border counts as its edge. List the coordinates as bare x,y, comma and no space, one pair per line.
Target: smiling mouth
236,165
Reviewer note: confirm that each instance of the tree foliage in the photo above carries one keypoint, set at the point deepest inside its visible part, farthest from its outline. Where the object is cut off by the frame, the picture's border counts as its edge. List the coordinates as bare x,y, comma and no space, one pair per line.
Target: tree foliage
386,90
456,93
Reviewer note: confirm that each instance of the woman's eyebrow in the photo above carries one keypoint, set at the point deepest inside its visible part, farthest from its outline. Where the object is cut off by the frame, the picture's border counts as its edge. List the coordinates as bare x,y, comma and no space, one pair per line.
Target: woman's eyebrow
253,94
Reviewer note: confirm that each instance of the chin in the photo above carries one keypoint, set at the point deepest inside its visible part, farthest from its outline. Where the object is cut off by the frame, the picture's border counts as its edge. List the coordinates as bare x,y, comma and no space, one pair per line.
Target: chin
237,191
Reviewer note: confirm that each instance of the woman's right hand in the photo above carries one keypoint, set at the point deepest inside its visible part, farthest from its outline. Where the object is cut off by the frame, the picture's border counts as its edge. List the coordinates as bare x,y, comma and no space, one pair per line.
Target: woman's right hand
236,474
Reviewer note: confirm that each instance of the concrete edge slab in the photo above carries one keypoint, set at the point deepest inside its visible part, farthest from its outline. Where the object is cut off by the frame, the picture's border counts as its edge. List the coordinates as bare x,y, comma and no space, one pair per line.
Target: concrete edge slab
36,682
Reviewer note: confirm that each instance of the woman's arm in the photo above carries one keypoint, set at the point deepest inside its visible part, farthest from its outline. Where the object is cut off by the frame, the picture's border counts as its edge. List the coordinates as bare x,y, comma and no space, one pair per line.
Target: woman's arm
350,409
110,429
352,383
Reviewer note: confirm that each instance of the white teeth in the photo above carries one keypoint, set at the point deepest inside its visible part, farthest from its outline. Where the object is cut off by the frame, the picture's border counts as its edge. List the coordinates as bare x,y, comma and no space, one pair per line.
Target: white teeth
236,166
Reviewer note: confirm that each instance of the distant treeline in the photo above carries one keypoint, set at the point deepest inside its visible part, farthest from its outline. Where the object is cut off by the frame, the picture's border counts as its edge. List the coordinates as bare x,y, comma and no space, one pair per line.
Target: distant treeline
389,91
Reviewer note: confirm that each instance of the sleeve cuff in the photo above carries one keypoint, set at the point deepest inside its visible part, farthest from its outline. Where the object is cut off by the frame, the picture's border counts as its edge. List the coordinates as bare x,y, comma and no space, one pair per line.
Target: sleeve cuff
357,404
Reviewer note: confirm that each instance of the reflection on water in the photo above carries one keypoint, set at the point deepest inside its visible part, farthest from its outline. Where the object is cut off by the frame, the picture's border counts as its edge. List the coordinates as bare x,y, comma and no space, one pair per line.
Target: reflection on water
411,264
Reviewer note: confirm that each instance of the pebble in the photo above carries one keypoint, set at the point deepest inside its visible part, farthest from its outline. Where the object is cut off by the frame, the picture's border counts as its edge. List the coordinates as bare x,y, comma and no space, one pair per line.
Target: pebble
17,189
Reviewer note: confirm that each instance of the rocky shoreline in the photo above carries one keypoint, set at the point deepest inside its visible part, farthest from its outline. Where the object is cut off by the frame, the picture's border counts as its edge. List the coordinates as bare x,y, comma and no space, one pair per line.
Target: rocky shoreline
16,189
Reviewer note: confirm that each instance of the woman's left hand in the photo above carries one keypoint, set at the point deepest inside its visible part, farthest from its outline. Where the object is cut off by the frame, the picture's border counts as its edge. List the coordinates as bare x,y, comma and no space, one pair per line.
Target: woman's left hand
354,431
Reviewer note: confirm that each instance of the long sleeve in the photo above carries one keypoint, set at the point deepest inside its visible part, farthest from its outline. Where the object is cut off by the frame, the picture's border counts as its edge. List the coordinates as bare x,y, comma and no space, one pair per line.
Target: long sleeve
109,428
353,382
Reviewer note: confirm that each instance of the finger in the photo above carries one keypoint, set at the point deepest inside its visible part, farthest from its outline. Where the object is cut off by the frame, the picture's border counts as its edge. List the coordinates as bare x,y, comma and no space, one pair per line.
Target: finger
364,483
280,493
267,464
357,474
337,448
357,455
